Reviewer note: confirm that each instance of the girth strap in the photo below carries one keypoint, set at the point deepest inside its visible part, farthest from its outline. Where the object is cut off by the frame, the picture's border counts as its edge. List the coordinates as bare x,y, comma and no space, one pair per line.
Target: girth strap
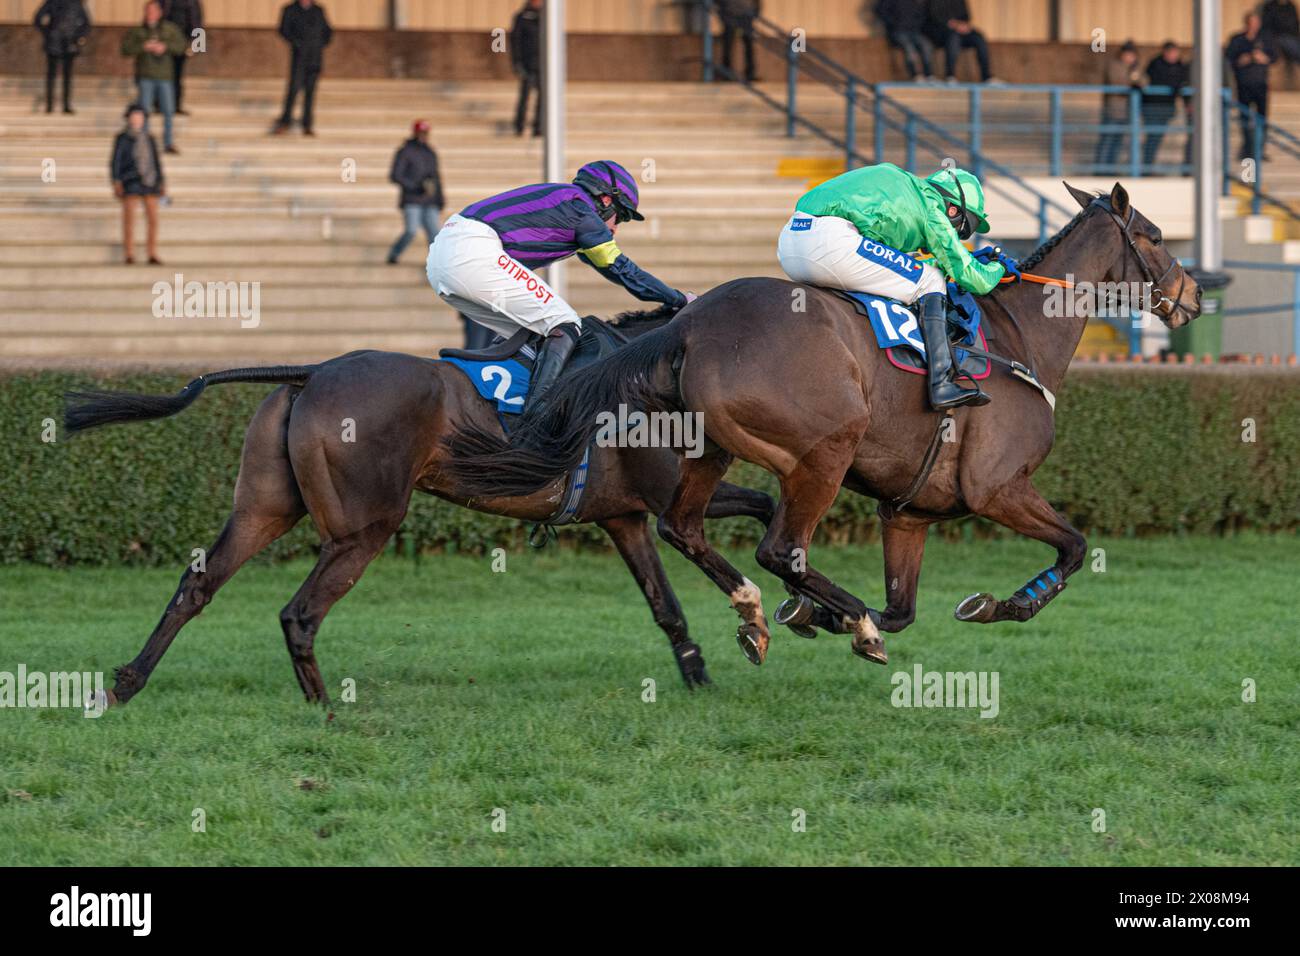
574,486
897,504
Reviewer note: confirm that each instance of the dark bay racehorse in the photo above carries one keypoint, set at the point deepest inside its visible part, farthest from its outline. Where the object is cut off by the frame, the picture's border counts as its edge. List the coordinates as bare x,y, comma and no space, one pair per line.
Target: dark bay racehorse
808,396
297,461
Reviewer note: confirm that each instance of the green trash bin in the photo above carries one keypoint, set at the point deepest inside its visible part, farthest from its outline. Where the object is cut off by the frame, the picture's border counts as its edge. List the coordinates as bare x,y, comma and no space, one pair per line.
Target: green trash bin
1204,336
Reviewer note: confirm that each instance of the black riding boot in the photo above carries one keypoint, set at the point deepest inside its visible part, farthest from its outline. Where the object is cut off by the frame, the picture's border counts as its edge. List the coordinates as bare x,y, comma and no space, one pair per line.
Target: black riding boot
945,390
555,352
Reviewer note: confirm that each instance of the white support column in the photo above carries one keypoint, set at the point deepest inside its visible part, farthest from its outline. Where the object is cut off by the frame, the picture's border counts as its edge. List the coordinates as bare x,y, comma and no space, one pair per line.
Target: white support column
554,161
1207,159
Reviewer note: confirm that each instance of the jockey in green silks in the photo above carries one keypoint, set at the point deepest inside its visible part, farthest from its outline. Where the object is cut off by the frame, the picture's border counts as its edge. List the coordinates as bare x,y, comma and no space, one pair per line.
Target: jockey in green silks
855,233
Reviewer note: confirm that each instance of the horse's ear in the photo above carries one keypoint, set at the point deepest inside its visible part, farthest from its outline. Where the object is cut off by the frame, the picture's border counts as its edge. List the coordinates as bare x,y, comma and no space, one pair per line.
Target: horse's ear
1081,197
1119,200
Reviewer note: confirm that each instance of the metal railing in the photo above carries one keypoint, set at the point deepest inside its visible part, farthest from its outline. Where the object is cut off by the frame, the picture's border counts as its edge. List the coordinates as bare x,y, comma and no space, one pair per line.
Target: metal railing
860,97
967,136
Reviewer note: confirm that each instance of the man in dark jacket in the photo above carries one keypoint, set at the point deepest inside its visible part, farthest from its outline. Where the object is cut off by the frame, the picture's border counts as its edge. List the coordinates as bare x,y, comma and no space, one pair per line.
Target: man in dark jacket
526,61
904,23
188,17
1282,27
1250,54
304,26
64,26
738,18
949,26
415,170
138,180
1158,109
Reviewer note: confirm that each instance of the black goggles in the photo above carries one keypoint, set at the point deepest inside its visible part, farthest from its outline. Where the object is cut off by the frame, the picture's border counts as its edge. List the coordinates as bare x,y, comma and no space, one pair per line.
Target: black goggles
962,219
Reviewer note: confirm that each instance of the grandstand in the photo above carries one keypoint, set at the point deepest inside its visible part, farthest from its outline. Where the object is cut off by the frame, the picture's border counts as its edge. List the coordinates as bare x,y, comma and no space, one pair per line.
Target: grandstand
720,172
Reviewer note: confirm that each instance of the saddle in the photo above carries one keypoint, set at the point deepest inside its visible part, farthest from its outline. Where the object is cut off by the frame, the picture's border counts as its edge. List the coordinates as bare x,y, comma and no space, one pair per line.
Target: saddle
897,329
501,371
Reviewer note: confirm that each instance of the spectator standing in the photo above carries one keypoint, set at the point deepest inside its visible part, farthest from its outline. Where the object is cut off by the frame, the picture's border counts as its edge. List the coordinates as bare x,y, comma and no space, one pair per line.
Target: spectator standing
415,170
1250,53
154,45
138,180
904,23
64,26
188,17
1158,109
949,26
1281,26
1122,70
738,18
526,61
306,29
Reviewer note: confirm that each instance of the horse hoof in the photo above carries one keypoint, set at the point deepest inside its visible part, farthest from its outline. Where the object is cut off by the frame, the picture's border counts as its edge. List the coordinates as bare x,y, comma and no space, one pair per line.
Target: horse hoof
870,649
978,608
752,643
697,678
875,653
796,613
867,642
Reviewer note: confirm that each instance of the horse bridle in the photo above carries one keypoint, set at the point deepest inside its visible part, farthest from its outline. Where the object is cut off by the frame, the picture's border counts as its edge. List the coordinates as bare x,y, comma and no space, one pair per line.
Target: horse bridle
1158,295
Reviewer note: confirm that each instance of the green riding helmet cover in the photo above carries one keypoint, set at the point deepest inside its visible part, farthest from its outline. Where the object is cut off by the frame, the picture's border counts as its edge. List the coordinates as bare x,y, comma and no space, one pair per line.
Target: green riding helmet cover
961,189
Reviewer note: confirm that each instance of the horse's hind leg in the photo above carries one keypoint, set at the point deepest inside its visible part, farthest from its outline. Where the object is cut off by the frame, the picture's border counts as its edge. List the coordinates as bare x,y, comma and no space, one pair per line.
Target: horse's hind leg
682,526
267,505
733,501
341,563
1020,507
631,535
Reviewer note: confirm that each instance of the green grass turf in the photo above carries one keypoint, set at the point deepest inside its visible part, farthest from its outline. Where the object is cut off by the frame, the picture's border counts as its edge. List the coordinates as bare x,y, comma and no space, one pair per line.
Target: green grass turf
523,691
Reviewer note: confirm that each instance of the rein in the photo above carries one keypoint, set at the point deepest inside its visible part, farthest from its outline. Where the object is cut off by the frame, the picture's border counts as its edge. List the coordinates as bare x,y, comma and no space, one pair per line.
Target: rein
1041,280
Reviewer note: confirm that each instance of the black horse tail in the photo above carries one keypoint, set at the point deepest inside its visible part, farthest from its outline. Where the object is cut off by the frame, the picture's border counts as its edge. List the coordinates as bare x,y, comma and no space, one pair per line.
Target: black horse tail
549,439
105,408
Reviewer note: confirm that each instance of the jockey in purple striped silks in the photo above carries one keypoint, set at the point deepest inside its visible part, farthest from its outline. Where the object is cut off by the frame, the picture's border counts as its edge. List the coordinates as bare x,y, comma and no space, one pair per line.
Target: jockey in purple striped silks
481,263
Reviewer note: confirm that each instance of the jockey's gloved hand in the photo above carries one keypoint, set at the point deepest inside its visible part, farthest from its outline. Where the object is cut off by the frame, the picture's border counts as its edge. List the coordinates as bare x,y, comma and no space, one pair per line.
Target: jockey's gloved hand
690,297
1012,267
986,255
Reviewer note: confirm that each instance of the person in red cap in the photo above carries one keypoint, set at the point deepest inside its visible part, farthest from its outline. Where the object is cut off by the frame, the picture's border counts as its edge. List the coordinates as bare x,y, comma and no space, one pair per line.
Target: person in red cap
415,170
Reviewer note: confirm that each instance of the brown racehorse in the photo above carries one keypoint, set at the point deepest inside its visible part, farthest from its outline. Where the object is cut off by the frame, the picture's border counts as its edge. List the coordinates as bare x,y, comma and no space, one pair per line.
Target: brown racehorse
809,396
296,462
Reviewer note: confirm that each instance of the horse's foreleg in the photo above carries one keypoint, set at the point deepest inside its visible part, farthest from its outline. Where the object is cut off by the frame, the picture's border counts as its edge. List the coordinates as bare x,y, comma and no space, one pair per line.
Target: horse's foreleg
682,526
244,535
1020,507
806,494
904,544
631,535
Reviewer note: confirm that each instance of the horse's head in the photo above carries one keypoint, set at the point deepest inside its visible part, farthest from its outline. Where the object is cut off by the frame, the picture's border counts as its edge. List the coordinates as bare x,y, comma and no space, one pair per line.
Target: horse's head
1141,256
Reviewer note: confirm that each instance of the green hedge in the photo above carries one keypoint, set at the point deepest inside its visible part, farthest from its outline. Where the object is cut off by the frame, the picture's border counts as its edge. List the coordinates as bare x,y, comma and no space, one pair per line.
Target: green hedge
1139,450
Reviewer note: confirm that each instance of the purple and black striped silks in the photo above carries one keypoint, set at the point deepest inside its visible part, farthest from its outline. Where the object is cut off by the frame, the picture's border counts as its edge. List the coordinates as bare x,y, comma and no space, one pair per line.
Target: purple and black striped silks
542,223
547,222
